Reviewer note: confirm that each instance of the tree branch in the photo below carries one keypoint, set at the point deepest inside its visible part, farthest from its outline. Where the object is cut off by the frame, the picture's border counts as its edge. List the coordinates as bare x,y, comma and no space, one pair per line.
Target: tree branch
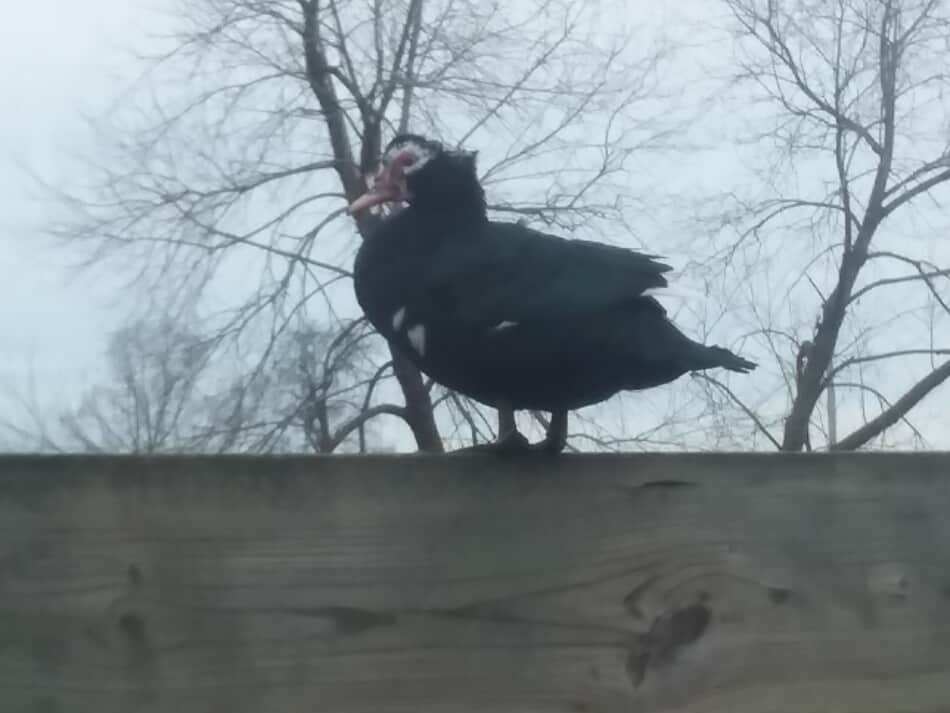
883,402
779,49
890,416
919,266
319,77
921,277
362,417
912,193
885,355
748,411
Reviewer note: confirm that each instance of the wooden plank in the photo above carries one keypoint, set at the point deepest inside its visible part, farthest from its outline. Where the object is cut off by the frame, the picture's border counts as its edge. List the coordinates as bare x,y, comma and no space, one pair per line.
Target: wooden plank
713,583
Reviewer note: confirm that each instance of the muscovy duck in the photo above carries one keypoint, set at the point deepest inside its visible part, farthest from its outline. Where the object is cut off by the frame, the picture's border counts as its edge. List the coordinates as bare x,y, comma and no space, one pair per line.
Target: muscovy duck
505,314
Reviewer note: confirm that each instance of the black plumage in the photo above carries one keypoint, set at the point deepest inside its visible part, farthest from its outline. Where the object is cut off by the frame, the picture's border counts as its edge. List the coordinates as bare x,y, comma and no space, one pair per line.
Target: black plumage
505,314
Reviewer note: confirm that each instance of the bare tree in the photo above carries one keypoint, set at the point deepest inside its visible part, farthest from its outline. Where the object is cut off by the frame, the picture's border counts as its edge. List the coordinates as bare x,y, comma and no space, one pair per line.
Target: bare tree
225,169
323,383
151,402
853,95
168,388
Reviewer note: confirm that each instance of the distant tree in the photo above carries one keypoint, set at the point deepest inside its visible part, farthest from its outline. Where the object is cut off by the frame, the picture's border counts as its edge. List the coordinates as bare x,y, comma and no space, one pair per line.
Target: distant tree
167,388
324,383
149,404
835,261
224,172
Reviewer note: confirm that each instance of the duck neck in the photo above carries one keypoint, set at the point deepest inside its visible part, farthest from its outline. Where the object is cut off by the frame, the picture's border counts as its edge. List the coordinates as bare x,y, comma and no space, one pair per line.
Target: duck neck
462,203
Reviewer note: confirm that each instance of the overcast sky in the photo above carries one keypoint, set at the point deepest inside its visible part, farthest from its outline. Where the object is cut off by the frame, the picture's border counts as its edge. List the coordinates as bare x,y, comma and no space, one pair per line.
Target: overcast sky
54,58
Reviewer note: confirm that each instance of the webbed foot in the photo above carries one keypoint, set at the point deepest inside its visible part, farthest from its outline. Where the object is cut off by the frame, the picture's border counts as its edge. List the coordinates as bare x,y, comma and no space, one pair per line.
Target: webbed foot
514,445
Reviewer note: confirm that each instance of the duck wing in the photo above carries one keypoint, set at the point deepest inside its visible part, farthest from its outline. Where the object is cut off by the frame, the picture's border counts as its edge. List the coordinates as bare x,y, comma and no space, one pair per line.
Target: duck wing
513,275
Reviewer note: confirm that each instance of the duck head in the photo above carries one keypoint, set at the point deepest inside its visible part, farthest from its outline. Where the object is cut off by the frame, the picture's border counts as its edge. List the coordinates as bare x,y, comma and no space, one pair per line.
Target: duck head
423,173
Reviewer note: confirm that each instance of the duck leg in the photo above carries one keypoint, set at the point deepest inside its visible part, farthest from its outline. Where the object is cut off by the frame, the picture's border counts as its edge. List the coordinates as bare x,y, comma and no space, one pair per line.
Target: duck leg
506,420
510,440
556,437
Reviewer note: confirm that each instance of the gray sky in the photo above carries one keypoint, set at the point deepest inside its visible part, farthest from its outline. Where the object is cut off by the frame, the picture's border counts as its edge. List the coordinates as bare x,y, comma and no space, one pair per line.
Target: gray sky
54,57
53,324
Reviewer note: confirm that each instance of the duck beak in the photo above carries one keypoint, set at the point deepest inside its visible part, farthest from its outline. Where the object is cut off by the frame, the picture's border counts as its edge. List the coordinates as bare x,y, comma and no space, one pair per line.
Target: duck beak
384,187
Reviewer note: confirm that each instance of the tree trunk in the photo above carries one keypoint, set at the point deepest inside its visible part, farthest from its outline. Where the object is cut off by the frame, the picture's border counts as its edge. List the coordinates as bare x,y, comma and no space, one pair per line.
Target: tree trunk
419,414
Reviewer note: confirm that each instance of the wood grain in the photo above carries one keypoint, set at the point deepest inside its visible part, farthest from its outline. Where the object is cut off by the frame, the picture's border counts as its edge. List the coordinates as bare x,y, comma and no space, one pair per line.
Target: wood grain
711,583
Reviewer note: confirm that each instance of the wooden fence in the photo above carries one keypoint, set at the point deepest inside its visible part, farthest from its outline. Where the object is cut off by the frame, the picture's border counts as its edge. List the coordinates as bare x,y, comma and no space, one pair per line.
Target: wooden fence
711,583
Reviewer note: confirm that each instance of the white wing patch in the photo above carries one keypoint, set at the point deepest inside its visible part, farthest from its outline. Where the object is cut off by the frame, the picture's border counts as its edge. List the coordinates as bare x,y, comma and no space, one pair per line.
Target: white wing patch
399,316
417,338
506,324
